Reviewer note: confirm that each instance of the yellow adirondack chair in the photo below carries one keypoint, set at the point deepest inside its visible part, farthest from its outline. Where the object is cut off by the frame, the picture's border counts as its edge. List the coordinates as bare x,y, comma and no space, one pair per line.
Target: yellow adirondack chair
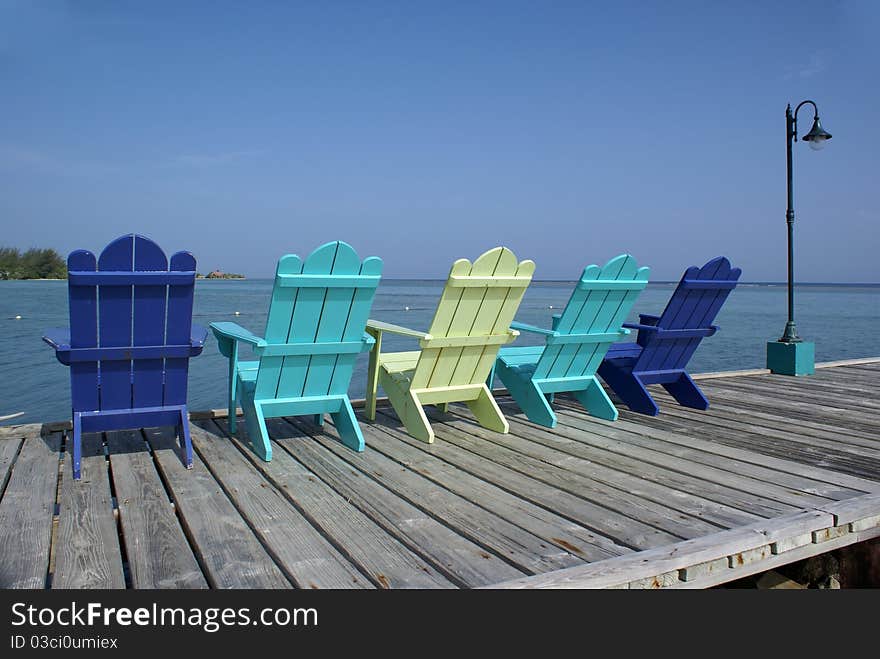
457,353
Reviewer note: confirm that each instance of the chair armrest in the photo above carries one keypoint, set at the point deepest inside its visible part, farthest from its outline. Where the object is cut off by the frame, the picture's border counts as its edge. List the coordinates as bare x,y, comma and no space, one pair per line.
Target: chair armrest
648,319
367,342
228,334
641,327
197,335
525,327
663,333
58,338
379,326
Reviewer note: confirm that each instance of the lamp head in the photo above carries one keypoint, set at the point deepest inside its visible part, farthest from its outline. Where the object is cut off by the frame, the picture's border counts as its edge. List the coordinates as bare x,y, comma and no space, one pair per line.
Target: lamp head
817,135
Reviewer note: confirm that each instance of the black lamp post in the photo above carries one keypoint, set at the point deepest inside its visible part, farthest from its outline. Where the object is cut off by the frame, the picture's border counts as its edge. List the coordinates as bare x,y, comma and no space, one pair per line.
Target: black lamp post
816,138
800,360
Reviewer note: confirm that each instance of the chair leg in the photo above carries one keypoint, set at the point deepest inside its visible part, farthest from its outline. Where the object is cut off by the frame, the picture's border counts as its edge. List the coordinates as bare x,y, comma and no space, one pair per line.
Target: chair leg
183,436
373,368
318,420
687,393
531,400
256,427
409,410
77,446
443,407
233,384
487,412
596,401
629,388
347,427
415,419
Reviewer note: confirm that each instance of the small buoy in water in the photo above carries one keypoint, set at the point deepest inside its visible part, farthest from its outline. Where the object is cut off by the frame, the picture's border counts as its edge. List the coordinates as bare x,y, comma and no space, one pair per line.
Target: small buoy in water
551,306
406,308
18,317
238,313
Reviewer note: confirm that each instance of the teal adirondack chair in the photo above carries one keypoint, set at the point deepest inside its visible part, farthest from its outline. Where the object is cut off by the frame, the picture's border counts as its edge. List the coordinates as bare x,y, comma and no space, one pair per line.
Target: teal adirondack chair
575,347
314,333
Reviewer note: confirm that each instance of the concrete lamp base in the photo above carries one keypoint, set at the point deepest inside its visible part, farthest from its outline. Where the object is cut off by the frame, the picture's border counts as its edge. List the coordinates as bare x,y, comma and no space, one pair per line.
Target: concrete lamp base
791,358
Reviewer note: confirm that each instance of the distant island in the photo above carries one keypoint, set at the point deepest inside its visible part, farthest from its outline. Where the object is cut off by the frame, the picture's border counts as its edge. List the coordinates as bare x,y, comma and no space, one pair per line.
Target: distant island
217,274
35,263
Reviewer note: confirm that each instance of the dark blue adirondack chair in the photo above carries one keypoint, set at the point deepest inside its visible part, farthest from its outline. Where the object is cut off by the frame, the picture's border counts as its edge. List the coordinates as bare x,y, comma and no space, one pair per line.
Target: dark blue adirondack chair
665,343
130,339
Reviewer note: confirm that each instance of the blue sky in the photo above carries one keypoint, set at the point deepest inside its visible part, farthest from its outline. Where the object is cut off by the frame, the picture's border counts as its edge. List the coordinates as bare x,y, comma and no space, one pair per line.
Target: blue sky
424,132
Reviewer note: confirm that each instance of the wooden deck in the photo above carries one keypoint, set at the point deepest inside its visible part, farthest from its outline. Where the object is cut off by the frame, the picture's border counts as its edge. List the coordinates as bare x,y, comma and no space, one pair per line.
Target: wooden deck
777,470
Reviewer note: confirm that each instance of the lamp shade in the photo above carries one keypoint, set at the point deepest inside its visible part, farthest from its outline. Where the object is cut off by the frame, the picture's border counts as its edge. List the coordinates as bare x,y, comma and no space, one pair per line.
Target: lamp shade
817,135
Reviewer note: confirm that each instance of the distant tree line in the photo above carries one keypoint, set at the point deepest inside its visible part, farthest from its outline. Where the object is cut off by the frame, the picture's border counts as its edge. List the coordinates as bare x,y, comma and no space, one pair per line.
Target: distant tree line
35,263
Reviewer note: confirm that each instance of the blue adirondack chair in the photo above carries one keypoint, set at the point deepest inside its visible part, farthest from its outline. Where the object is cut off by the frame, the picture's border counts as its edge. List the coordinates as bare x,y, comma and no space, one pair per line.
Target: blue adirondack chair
574,348
665,343
314,333
130,339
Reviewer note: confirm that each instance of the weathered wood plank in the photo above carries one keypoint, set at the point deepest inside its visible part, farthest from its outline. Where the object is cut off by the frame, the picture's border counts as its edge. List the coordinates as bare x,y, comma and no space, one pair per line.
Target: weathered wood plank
728,490
679,511
524,550
774,561
19,431
548,492
828,380
798,450
460,559
854,510
718,470
827,397
781,472
786,403
774,419
648,564
305,556
229,553
540,521
379,555
796,447
8,452
159,555
778,427
87,553
26,512
875,361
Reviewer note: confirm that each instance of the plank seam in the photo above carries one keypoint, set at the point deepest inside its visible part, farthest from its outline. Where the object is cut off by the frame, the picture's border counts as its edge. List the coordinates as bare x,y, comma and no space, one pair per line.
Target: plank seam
181,520
458,531
253,529
573,412
710,496
562,514
284,492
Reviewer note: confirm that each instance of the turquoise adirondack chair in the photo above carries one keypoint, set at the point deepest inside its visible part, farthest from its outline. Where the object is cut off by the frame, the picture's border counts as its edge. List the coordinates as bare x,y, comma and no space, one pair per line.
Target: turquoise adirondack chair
576,345
314,333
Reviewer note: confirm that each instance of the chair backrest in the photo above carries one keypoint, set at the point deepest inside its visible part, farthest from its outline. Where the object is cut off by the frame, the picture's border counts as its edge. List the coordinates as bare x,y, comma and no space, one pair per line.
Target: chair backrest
325,299
591,321
472,319
130,298
693,306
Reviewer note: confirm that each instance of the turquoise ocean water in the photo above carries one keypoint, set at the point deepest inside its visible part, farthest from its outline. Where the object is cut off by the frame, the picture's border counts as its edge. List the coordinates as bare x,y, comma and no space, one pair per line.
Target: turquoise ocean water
841,319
